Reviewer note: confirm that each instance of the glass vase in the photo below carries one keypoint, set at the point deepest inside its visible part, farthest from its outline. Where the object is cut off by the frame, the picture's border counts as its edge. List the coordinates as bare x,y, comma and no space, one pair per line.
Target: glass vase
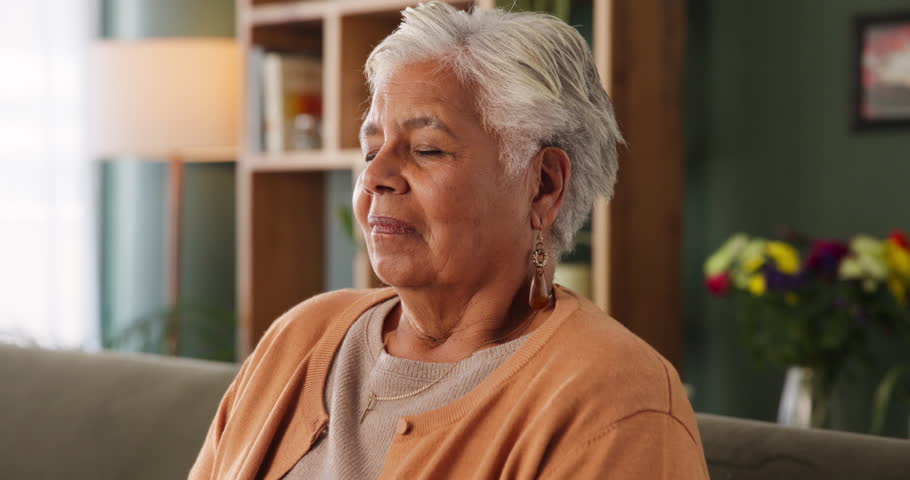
805,398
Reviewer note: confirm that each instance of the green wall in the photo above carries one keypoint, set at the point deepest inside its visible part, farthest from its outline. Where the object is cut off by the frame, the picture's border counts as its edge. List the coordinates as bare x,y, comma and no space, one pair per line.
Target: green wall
131,250
769,145
339,263
132,19
132,192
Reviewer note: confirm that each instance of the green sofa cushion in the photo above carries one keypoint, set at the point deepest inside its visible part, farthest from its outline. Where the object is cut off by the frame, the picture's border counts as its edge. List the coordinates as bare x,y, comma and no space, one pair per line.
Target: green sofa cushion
71,415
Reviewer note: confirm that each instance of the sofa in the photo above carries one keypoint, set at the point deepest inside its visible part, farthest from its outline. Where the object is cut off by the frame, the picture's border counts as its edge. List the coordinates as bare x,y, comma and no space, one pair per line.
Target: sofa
105,416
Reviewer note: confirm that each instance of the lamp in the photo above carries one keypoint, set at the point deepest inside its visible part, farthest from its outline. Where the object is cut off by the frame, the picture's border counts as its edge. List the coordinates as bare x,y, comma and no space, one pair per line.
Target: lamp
168,99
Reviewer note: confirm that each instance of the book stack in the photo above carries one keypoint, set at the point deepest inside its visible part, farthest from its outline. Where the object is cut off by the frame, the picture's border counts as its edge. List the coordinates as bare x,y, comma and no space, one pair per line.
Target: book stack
288,90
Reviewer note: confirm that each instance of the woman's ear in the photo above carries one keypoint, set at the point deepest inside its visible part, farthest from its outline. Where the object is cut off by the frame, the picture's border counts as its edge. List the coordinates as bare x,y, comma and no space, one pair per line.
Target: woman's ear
553,169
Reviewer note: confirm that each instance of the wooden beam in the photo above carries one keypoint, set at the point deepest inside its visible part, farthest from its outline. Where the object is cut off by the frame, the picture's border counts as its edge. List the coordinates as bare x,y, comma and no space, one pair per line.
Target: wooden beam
600,247
646,80
286,225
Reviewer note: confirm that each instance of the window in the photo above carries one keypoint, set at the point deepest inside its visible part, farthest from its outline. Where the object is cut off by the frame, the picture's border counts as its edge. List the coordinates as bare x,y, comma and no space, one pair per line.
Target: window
48,292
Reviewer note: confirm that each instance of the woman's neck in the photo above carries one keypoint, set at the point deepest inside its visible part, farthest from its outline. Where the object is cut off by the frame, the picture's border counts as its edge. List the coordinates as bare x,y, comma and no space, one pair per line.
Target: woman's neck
444,325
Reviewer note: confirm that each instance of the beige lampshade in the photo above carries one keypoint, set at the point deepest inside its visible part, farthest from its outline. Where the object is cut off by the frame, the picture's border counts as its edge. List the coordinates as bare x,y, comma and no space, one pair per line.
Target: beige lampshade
161,97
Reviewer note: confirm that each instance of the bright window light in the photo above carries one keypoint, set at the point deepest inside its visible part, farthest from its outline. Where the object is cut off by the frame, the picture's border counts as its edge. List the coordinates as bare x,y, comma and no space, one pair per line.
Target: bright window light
48,292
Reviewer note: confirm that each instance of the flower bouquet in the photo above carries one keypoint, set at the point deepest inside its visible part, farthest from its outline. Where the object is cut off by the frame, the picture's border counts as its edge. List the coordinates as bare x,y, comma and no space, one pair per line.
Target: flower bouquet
814,304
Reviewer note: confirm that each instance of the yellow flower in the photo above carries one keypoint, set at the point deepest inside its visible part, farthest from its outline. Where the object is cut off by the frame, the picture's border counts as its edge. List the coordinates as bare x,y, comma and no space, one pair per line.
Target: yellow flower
898,289
723,259
898,258
866,263
873,267
785,256
866,245
751,257
754,248
850,269
757,285
753,264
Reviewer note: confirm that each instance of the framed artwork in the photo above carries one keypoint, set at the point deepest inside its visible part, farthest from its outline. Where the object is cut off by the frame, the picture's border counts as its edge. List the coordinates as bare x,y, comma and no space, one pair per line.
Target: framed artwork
881,71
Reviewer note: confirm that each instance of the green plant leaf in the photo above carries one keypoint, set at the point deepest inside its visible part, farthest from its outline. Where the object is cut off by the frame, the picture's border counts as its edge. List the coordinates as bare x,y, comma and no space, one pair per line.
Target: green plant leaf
345,215
883,395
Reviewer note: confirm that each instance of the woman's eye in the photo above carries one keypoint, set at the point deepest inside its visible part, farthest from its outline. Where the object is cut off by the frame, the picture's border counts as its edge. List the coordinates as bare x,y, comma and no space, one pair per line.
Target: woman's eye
370,156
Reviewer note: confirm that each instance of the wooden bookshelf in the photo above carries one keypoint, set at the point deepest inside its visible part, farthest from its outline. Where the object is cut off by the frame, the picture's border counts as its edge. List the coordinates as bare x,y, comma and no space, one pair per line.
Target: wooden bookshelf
303,161
281,195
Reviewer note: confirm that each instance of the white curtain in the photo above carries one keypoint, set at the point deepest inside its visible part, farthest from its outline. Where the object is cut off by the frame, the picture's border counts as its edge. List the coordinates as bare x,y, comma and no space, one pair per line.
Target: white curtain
48,281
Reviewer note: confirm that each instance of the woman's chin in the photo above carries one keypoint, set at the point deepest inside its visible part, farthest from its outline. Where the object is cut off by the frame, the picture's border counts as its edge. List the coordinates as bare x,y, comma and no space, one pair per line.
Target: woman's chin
401,272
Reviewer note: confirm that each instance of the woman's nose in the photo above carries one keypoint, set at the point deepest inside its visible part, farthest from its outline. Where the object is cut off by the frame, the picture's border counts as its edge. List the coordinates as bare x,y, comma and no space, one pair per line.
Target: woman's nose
383,175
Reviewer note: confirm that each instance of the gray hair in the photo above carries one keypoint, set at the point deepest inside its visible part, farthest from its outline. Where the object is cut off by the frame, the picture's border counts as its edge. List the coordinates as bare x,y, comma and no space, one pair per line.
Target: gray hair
538,86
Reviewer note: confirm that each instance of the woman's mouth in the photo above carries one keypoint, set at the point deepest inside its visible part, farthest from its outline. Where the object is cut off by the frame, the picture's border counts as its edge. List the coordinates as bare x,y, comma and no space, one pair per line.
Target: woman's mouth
389,226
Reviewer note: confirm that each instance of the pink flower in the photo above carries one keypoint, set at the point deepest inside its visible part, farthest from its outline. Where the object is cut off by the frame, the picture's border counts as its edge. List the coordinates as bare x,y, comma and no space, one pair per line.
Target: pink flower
719,284
826,255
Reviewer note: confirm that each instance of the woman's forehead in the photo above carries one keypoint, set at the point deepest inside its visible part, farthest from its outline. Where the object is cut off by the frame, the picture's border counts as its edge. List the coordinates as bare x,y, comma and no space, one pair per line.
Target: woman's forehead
414,98
431,74
415,121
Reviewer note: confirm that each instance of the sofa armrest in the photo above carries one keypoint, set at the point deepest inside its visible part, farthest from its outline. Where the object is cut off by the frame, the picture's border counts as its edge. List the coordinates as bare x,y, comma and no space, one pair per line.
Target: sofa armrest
738,449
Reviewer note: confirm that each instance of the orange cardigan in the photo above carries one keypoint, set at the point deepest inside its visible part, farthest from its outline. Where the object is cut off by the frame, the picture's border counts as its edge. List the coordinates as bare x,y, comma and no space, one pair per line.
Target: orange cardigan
582,398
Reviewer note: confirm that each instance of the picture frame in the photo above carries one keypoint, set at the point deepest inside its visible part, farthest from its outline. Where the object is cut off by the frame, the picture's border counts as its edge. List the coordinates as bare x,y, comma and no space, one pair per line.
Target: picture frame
881,71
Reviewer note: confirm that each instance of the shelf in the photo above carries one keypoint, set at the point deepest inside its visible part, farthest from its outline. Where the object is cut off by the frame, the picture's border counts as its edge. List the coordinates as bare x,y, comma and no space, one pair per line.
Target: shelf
302,35
275,13
286,12
315,161
385,6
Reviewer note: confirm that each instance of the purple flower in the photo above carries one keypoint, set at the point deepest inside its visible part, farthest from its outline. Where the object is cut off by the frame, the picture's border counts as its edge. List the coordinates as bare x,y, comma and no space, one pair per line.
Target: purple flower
777,280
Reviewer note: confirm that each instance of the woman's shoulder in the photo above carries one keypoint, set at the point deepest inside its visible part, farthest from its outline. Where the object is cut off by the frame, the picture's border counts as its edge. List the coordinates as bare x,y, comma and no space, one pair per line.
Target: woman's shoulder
598,386
603,366
600,342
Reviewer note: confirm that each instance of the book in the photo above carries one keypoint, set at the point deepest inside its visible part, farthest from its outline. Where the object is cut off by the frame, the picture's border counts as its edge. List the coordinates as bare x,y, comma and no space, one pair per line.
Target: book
292,102
255,123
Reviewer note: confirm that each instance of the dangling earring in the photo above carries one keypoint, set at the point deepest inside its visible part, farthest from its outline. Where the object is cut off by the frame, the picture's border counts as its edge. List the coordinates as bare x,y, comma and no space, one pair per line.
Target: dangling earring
539,296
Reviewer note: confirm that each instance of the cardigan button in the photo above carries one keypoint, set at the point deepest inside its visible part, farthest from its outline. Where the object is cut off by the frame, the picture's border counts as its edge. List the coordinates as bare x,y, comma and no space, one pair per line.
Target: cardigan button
403,427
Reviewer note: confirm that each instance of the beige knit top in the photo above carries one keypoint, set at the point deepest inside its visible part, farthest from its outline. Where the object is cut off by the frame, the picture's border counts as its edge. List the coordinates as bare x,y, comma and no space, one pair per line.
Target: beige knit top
351,450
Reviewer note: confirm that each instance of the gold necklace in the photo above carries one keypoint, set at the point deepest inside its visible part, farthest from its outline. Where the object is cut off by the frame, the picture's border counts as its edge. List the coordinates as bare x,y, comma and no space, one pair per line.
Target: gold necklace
374,399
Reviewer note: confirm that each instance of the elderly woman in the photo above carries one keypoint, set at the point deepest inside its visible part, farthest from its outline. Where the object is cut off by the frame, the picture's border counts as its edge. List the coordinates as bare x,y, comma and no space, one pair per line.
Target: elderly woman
487,139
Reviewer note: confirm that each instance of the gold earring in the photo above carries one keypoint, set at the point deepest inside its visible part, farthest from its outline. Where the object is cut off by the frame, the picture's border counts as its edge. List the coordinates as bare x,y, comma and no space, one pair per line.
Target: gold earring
539,296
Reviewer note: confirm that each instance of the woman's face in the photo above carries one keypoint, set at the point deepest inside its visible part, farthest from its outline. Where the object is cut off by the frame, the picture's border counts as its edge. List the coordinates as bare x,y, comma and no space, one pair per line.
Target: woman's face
433,202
